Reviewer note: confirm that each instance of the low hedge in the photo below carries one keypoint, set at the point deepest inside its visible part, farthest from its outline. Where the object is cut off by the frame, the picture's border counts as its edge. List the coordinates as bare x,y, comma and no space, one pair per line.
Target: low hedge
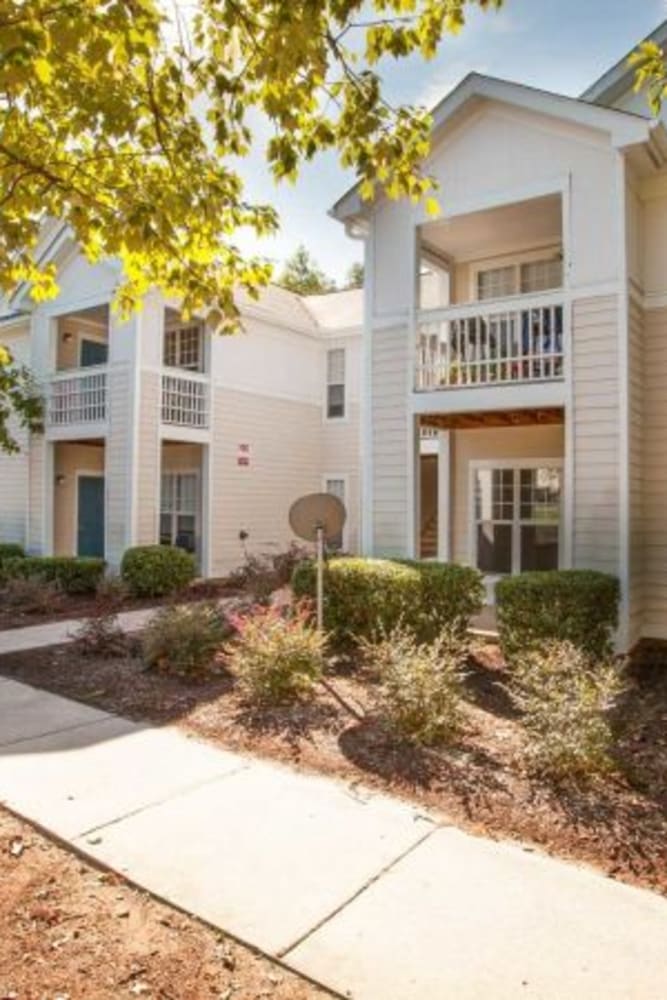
156,570
580,606
11,550
366,597
74,574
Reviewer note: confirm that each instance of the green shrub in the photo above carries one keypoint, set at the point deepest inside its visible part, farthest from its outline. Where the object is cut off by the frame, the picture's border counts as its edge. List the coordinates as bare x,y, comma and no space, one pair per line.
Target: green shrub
156,570
276,657
365,598
184,639
578,606
31,595
420,684
566,700
73,574
11,550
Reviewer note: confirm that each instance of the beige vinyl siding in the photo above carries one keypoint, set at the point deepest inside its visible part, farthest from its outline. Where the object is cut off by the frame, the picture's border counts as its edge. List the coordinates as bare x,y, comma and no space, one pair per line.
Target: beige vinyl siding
596,434
654,465
118,468
340,456
492,443
68,459
285,462
390,421
635,441
14,469
148,459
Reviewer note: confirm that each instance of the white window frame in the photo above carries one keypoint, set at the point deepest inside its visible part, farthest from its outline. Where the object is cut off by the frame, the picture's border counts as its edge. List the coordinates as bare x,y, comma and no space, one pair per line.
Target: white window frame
178,329
198,505
327,384
345,479
516,261
474,465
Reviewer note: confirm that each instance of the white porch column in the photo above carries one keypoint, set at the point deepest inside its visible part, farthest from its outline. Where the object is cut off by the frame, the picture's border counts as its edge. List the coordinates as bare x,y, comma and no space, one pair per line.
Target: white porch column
444,496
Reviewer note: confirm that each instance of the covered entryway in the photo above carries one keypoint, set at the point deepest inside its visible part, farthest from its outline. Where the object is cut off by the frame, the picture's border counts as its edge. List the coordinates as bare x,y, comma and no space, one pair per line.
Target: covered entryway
500,491
79,506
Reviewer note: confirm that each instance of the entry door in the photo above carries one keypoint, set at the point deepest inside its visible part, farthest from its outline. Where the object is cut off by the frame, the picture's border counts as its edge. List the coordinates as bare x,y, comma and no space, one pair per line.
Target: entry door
93,352
90,521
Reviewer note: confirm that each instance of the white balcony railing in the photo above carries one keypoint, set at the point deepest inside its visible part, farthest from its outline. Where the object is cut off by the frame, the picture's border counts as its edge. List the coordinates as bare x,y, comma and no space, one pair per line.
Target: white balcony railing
185,400
77,398
486,344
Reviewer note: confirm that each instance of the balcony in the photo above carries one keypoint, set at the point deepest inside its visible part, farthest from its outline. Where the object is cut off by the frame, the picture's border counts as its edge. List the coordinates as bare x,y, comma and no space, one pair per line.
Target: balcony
185,400
512,341
75,399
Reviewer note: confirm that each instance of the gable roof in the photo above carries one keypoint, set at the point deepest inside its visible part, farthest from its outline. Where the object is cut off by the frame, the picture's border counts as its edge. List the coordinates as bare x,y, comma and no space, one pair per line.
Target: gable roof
619,79
624,127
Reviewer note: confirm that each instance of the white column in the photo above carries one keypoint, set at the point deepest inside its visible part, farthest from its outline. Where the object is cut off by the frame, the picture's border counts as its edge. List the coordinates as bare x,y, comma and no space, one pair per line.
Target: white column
444,496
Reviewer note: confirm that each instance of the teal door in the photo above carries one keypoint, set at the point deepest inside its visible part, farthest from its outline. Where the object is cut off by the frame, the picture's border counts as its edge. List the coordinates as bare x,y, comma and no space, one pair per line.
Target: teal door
93,352
90,527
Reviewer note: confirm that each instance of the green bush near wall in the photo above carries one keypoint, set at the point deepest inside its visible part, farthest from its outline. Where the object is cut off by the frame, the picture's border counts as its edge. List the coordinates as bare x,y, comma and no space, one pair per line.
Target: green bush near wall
365,597
74,574
11,550
157,570
580,606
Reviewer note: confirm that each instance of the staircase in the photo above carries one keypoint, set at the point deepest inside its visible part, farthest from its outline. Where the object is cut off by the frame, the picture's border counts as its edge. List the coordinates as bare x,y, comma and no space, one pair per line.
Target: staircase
428,542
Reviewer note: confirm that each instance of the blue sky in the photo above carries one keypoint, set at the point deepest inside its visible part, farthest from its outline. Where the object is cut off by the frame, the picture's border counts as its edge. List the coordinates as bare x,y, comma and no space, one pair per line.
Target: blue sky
560,45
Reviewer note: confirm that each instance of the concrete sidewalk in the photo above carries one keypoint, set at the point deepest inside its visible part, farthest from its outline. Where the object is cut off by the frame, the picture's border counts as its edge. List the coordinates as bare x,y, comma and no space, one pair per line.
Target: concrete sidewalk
361,892
18,640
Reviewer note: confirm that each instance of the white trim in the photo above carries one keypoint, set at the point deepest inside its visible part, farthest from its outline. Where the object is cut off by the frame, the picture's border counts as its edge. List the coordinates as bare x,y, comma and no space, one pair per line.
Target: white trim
512,395
568,372
515,464
444,442
345,479
345,417
412,444
80,474
624,510
47,499
366,464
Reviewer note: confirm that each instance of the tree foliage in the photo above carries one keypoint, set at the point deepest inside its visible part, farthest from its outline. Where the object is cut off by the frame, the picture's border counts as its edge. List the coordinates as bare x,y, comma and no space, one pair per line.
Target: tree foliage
651,73
128,124
355,276
19,398
302,274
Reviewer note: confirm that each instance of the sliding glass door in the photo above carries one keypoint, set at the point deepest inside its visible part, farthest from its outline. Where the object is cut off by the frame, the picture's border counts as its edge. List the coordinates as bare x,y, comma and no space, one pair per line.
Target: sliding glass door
516,516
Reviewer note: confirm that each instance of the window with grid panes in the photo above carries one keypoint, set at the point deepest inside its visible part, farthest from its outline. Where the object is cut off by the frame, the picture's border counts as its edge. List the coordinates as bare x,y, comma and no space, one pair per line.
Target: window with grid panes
178,510
336,383
183,348
337,489
541,275
496,282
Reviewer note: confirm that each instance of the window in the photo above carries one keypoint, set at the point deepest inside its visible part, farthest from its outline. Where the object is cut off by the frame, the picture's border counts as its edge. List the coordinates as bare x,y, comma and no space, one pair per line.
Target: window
496,283
337,489
517,517
178,510
541,275
183,348
336,383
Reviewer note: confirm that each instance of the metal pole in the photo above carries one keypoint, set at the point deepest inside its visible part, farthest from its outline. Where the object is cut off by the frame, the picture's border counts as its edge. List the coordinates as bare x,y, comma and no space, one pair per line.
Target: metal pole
320,576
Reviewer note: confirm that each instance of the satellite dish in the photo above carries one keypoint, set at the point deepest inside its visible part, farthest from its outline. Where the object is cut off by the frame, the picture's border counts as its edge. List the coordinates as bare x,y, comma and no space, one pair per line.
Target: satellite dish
315,513
318,517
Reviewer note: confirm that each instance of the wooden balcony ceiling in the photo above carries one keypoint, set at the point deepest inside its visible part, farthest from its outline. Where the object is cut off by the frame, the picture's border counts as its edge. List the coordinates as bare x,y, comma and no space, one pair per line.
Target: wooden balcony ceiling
494,418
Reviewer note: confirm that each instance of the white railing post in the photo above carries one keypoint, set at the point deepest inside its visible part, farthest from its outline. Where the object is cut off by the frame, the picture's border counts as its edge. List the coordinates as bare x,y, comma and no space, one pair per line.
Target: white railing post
77,398
508,341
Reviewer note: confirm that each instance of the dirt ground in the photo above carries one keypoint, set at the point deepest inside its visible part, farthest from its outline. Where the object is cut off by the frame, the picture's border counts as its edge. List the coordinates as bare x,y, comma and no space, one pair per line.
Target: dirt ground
68,606
71,932
618,823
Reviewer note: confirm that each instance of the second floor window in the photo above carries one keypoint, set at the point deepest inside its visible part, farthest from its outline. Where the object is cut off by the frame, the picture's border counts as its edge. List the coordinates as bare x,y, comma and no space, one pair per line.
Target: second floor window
336,383
183,348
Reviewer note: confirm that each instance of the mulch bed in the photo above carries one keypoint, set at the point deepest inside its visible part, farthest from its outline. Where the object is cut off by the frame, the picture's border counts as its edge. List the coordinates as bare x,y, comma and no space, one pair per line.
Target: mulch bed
71,932
69,606
618,823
